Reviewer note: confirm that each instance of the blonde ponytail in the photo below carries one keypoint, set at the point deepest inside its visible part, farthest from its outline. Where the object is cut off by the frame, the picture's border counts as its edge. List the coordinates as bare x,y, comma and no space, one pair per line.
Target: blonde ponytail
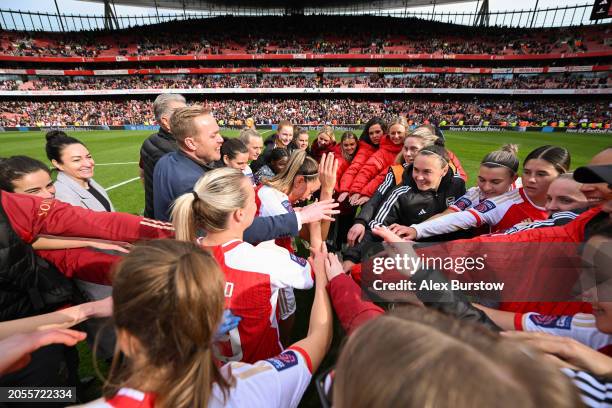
300,164
215,196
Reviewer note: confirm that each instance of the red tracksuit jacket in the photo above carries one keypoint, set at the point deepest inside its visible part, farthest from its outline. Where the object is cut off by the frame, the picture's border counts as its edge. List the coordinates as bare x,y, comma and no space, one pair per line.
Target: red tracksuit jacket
31,216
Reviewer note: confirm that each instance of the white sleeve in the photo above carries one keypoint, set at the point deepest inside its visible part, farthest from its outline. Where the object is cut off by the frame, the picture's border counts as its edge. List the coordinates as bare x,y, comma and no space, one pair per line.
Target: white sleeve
272,204
288,270
489,212
580,327
277,382
445,224
293,377
466,201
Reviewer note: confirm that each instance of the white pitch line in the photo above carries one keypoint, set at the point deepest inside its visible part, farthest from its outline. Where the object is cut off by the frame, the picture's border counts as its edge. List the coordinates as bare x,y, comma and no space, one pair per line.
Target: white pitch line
267,132
122,183
114,164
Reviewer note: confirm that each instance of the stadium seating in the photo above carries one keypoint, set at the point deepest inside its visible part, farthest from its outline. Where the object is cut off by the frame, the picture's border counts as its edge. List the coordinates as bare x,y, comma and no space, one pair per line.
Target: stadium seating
314,111
564,81
317,34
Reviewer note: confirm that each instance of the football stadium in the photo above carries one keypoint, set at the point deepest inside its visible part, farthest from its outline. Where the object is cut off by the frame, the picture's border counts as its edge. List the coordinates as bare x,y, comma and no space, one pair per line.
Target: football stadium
194,194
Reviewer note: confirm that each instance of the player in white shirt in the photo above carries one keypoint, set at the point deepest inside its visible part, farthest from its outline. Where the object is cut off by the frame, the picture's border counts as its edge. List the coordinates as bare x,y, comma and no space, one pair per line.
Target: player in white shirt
497,175
223,205
564,202
501,210
276,196
298,181
168,301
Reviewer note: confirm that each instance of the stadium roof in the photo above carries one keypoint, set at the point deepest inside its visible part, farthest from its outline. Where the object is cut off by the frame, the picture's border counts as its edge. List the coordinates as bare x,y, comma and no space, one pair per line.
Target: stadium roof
282,4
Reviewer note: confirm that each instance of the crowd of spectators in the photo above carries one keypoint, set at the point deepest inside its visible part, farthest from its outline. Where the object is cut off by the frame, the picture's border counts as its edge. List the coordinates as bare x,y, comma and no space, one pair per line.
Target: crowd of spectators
28,113
319,111
313,34
579,81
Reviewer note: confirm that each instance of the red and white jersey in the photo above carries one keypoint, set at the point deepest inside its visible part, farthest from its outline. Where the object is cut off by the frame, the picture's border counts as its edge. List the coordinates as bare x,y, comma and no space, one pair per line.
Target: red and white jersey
277,382
471,198
254,275
249,173
271,202
474,196
580,327
499,213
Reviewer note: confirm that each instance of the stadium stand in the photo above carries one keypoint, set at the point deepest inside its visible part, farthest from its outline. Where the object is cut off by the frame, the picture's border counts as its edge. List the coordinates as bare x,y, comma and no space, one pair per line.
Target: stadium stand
56,79
314,111
317,35
533,81
312,77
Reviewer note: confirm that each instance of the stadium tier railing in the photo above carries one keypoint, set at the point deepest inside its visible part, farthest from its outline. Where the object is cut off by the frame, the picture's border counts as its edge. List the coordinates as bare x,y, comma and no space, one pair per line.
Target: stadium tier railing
563,16
322,91
310,56
305,70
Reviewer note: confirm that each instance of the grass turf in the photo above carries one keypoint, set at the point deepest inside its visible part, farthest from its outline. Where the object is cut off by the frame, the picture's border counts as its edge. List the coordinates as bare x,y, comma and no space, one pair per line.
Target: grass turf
117,153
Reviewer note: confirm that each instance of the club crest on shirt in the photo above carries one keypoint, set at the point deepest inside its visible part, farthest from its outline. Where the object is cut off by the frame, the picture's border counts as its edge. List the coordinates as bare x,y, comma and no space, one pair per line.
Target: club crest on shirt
553,322
485,206
462,203
284,360
298,260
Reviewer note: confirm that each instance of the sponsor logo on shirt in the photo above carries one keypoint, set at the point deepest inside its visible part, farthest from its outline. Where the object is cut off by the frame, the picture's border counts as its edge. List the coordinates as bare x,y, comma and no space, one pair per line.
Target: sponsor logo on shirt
298,260
485,206
553,322
283,361
462,203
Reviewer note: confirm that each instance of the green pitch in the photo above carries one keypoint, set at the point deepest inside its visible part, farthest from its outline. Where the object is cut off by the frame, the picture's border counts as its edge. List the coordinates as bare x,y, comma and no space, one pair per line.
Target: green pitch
117,152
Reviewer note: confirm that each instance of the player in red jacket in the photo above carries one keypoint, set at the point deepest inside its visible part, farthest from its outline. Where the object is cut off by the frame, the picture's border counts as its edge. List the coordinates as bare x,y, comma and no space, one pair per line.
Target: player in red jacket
368,144
31,216
324,143
344,152
73,257
370,176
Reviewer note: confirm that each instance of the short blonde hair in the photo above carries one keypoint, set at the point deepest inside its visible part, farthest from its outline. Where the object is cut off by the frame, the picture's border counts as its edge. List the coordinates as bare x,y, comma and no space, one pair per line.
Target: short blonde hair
182,121
247,133
425,133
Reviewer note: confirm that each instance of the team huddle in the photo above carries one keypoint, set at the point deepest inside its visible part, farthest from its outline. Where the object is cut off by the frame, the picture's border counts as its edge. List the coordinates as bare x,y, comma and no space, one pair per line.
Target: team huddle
202,289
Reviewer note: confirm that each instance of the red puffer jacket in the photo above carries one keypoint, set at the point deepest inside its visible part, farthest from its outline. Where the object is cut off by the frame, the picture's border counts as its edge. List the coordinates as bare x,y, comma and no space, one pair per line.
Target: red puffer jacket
343,164
317,151
363,154
375,169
